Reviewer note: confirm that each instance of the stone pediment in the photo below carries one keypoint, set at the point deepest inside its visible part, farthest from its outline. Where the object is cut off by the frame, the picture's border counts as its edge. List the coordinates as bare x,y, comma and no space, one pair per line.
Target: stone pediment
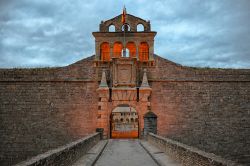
133,21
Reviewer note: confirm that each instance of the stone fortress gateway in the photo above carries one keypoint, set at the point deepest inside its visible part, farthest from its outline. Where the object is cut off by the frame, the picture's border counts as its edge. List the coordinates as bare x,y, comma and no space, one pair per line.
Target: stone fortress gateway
125,94
124,87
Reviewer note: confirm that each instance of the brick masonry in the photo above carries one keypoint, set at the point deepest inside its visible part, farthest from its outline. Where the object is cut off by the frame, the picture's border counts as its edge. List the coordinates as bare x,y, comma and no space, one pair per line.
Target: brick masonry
206,109
187,155
41,109
64,155
45,108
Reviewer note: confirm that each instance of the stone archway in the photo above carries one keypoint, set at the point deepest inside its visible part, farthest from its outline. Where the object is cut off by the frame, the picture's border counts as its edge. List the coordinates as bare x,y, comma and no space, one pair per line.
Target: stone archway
124,122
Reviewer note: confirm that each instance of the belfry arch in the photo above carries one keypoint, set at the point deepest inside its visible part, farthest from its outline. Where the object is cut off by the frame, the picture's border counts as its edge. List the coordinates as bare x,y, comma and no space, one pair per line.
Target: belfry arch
111,28
138,38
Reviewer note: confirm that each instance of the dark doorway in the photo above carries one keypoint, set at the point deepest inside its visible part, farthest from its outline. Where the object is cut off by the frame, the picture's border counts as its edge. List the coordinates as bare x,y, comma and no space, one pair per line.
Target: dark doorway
150,123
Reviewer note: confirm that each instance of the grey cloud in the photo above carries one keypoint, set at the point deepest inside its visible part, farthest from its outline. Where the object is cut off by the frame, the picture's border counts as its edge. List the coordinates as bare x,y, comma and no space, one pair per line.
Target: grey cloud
194,32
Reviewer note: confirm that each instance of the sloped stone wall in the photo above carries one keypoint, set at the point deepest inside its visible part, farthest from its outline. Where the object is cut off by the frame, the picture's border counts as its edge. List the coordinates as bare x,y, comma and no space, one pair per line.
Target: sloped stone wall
64,155
45,111
187,155
204,108
41,109
213,116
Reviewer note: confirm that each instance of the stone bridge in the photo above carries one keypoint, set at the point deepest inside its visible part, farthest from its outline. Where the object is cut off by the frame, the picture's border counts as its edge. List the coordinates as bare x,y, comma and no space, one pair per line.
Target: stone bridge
151,151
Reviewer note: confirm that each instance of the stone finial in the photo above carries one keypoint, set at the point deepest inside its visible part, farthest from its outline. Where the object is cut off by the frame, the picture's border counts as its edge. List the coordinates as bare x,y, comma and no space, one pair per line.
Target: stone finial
104,80
145,79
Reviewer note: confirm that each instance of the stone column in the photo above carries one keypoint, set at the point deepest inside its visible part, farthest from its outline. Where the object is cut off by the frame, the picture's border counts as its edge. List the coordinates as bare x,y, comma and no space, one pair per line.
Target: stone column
137,44
151,50
111,50
97,50
103,113
145,92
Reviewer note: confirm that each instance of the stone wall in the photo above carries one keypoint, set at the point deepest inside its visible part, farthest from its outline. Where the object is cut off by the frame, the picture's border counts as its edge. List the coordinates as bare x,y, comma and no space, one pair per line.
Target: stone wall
42,109
64,155
187,155
204,108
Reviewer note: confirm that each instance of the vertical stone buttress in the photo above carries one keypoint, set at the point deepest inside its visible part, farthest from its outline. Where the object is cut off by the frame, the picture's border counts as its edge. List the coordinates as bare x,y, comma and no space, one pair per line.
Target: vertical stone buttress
103,116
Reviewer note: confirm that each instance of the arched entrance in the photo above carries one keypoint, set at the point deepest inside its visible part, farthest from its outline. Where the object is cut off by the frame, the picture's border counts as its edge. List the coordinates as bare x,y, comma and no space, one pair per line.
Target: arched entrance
124,122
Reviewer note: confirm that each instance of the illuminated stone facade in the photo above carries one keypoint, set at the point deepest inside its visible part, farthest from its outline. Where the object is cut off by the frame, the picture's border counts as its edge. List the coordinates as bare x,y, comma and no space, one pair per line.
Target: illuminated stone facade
125,86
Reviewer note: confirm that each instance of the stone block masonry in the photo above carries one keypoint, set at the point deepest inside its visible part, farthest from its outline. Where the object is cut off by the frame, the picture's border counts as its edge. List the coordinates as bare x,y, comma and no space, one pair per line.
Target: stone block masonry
188,156
43,112
213,116
64,155
41,109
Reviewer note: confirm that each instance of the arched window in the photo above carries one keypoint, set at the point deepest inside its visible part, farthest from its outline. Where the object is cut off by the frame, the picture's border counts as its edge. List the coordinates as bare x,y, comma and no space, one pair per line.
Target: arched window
132,49
105,53
126,53
143,51
117,49
140,28
132,120
126,27
111,28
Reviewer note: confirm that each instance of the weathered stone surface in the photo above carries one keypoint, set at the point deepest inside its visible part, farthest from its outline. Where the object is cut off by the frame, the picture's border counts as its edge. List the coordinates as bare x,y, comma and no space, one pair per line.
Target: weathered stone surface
37,116
213,116
45,108
186,155
64,155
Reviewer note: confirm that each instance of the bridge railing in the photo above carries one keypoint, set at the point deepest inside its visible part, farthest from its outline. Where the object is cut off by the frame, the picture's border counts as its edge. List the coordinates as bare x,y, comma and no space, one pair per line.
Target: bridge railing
64,155
187,155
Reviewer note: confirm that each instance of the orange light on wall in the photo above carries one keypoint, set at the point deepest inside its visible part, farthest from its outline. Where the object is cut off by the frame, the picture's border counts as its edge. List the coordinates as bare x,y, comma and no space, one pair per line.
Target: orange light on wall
143,51
117,49
105,53
132,49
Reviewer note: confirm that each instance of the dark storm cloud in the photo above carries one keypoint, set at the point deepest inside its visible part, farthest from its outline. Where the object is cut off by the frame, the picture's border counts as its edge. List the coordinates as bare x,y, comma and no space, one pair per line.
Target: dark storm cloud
194,32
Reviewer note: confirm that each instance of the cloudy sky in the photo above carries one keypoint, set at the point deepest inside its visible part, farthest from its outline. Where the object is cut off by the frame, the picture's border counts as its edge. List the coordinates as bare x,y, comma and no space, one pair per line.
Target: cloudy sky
39,33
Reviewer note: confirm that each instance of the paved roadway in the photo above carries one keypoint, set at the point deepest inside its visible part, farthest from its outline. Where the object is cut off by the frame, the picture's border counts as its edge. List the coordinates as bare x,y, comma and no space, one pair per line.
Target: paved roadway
124,152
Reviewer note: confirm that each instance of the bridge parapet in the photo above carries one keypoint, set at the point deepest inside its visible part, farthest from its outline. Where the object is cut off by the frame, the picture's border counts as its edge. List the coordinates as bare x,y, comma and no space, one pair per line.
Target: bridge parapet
187,155
64,155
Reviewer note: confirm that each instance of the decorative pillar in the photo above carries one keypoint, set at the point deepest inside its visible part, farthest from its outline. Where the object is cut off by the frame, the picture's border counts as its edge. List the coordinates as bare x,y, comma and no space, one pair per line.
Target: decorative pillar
145,92
97,50
111,50
103,116
137,50
151,50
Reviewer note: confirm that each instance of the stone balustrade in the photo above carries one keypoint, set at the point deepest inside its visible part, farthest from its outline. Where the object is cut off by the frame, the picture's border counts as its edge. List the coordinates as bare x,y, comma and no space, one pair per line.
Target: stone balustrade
64,155
187,155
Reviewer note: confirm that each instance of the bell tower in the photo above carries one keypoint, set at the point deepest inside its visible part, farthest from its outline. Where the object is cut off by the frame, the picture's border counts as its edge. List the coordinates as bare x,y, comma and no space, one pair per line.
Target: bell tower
121,59
109,44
